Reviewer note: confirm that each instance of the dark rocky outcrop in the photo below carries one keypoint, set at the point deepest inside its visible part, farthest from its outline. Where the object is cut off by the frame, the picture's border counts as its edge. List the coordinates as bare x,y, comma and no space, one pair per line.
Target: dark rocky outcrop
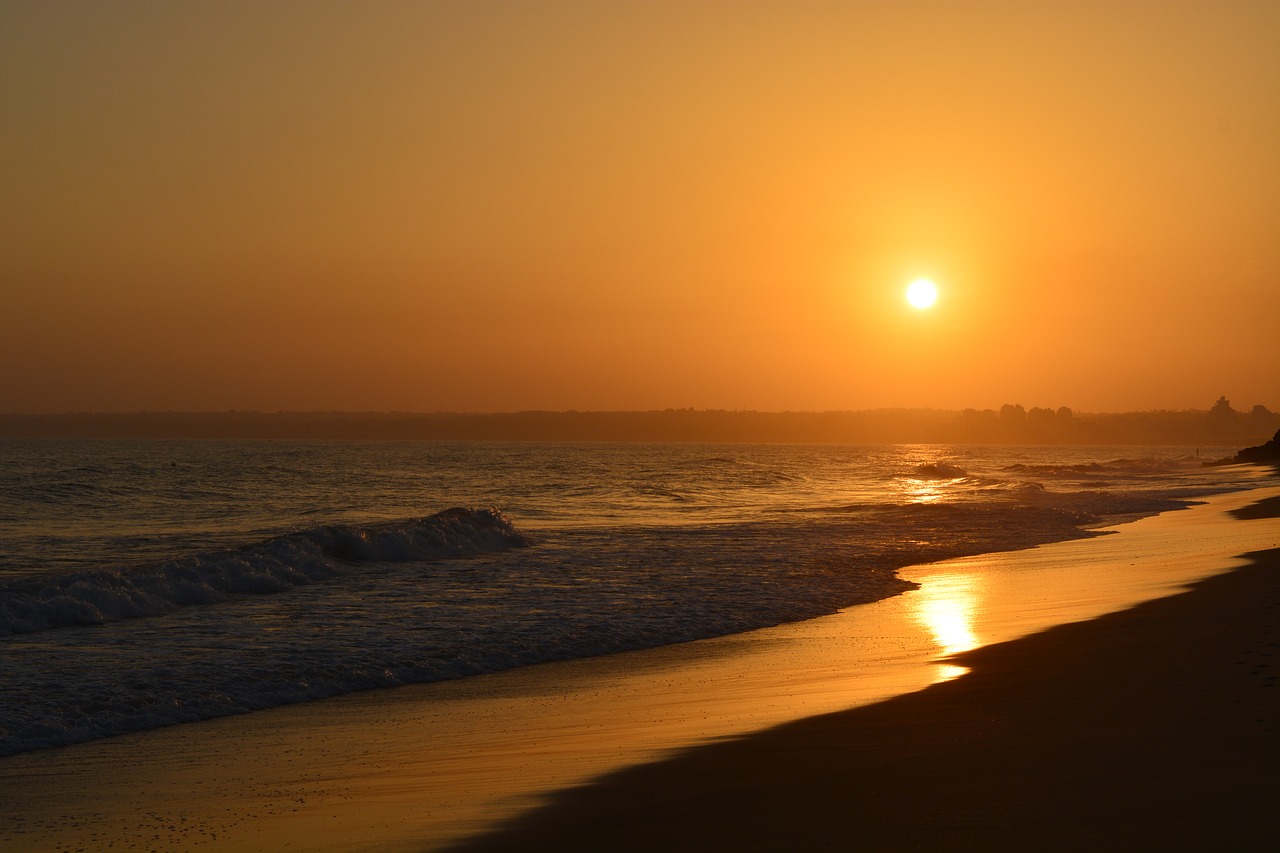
1263,454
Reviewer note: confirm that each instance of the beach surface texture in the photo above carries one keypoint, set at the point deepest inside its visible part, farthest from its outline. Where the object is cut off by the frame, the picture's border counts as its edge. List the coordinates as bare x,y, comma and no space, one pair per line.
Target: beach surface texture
1123,697
1154,727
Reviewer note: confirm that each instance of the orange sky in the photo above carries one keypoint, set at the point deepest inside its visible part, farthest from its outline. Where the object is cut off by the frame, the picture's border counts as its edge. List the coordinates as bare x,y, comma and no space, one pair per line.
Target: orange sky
498,206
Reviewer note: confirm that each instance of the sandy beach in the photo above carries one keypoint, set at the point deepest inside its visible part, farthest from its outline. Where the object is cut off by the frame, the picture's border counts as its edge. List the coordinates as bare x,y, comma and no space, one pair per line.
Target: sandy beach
1151,728
1147,727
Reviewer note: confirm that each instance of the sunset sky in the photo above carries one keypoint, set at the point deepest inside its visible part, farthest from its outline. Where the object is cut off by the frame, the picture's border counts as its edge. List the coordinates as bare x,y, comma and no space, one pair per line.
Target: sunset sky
498,206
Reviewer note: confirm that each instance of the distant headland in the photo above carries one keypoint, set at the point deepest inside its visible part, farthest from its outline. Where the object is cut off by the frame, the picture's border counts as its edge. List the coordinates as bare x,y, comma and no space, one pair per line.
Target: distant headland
1219,426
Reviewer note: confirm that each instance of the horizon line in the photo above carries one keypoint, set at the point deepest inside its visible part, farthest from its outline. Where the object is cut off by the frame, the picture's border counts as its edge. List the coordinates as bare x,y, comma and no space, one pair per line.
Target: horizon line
667,410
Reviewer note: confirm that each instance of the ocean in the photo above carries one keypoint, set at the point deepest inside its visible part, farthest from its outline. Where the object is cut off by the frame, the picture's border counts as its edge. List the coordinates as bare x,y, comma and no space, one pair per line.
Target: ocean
149,583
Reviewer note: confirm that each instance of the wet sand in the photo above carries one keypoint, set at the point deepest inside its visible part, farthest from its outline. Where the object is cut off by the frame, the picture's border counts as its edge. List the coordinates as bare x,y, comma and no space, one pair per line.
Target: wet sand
1156,727
424,767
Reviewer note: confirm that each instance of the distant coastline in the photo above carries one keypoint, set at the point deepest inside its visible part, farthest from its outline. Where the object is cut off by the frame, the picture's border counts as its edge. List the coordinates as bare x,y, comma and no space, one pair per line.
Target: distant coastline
1219,426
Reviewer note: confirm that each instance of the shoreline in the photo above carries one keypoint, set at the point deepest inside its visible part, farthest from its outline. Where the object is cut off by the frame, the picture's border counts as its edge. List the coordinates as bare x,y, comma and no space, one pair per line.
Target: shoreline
1149,728
428,765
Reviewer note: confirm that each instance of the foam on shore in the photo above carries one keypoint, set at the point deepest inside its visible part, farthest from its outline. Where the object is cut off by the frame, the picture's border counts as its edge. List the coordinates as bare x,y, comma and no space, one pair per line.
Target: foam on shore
427,765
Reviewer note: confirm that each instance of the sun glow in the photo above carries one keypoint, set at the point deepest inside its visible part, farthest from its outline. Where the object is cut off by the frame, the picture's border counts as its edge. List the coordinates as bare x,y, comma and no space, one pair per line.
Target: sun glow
922,293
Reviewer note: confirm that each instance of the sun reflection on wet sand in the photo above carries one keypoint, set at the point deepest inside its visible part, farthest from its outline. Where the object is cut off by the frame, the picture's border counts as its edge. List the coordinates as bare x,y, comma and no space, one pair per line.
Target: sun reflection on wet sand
945,605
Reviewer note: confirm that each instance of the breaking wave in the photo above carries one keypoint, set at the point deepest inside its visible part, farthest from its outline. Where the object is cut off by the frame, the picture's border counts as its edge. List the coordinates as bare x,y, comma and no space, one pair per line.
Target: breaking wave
275,565
940,471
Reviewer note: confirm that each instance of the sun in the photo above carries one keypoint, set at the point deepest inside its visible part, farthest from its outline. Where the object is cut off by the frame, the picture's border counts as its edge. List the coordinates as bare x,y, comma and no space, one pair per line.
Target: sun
922,293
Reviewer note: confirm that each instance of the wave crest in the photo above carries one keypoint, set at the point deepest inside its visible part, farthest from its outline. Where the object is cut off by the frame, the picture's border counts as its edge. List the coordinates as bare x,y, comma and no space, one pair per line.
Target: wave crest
940,471
275,565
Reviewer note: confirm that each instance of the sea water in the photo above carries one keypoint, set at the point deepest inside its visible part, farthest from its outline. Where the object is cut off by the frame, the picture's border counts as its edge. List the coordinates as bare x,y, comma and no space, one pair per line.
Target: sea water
147,583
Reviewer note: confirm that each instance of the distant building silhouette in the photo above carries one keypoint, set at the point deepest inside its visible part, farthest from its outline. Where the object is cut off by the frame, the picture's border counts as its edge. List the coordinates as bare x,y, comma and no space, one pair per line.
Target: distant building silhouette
1221,426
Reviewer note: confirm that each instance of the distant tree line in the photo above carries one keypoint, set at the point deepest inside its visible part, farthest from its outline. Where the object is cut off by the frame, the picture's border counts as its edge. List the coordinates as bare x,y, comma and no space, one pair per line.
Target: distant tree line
1221,426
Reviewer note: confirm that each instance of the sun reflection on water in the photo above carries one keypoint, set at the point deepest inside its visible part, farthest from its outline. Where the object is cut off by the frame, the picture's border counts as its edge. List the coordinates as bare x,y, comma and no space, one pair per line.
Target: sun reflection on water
923,491
937,482
945,605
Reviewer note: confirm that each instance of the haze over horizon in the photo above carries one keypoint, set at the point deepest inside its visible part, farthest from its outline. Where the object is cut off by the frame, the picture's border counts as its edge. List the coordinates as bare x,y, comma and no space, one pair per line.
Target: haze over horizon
508,206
